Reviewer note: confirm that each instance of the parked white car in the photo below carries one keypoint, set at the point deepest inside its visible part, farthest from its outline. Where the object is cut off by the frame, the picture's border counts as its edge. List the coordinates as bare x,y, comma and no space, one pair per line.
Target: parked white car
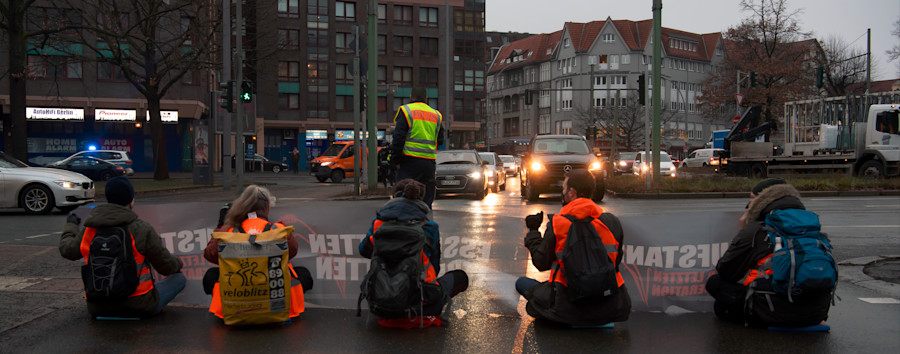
38,189
643,164
703,158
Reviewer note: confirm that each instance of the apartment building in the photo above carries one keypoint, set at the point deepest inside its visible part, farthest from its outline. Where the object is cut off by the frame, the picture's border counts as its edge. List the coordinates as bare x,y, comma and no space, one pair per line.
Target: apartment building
594,67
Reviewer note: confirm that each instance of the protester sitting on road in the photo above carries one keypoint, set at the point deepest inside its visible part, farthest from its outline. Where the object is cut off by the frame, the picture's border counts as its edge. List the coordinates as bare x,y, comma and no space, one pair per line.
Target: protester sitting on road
115,224
408,209
749,250
557,299
249,214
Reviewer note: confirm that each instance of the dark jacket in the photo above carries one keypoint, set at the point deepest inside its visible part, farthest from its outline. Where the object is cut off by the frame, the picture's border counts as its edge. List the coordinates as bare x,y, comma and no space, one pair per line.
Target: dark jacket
554,305
402,209
751,245
147,242
401,128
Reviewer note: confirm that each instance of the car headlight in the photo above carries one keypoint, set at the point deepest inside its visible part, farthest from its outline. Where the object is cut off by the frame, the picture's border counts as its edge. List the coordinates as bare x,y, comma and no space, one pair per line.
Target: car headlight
536,166
475,175
623,163
66,184
595,166
672,168
327,163
645,168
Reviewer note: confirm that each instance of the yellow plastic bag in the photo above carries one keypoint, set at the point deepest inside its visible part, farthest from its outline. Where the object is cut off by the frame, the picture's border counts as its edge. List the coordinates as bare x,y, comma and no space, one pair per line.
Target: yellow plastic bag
254,278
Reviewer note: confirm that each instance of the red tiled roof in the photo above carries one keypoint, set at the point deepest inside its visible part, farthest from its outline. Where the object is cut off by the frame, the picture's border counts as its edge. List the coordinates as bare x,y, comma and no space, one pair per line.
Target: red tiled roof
877,86
533,49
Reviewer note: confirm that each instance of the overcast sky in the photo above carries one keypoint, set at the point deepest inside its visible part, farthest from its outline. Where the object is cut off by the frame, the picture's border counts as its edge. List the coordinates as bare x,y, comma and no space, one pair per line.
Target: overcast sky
847,19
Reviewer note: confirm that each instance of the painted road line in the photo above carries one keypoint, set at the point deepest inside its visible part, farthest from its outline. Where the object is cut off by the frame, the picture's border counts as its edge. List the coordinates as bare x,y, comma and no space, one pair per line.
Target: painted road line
43,235
880,300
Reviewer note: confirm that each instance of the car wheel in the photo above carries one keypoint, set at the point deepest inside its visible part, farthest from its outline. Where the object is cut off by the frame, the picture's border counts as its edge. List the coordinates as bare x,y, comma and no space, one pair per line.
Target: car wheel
480,195
337,176
758,170
67,209
871,169
599,193
503,186
496,187
322,179
532,193
106,175
276,168
704,164
36,199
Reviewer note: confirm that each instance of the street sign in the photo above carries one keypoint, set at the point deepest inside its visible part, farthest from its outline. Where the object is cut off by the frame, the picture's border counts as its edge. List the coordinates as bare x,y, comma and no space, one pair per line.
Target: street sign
739,98
736,119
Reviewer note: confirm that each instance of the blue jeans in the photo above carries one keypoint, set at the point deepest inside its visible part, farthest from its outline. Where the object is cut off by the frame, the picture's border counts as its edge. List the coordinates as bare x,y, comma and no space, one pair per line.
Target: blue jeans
168,288
524,283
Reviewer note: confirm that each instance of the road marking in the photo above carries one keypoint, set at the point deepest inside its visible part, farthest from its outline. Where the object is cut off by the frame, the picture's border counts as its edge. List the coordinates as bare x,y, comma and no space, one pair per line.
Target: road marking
10,283
880,300
43,235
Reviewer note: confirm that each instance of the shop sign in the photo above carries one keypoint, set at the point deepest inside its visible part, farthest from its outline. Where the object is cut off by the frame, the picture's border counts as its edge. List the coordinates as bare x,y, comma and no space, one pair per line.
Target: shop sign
166,116
347,134
40,113
115,115
123,145
316,134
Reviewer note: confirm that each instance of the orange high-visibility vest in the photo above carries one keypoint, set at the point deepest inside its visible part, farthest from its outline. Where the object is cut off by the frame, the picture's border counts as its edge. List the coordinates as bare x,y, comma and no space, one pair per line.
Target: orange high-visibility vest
145,279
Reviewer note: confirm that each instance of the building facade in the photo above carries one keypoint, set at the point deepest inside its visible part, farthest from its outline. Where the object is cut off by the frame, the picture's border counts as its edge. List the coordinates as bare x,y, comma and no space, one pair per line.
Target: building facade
593,75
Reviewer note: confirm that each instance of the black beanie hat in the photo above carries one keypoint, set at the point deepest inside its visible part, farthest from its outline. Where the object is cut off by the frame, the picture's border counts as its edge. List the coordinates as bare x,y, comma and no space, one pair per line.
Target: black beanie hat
766,183
119,191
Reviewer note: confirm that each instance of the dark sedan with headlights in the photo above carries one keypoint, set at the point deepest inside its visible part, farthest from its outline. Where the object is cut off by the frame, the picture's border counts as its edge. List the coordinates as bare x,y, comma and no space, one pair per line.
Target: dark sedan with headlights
460,171
95,169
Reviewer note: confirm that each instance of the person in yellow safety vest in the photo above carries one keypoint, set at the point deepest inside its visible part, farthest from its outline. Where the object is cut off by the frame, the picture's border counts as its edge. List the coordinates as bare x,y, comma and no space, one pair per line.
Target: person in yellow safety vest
417,133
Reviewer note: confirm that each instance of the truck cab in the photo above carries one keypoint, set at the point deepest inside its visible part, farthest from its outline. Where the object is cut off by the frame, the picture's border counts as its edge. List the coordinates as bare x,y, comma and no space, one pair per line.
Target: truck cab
881,156
336,163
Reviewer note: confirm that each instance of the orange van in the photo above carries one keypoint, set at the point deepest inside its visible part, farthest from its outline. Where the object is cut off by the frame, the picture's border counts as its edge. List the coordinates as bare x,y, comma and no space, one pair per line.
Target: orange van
336,162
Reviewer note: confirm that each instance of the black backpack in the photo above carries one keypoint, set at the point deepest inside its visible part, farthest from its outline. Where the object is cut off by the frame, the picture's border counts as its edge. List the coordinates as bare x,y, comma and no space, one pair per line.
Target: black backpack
395,284
110,272
590,273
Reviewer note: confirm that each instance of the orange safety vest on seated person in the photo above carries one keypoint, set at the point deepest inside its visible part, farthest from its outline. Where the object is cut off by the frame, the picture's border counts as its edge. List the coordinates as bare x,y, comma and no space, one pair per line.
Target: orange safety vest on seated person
763,265
252,227
145,279
581,208
430,274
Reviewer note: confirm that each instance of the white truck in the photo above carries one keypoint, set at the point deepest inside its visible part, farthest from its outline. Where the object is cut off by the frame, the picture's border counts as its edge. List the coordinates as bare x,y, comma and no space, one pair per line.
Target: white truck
837,135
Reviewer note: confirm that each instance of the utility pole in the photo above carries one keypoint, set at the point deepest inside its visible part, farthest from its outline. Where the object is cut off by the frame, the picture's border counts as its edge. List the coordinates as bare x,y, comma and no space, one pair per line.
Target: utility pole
593,117
226,77
657,65
868,62
372,96
357,136
238,105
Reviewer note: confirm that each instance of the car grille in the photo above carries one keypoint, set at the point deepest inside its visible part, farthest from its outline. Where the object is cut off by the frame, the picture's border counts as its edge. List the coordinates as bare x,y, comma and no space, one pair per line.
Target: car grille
87,185
463,181
314,167
558,170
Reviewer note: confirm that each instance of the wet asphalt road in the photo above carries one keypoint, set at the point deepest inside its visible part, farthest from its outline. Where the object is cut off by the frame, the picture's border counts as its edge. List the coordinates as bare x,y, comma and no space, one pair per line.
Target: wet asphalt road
41,309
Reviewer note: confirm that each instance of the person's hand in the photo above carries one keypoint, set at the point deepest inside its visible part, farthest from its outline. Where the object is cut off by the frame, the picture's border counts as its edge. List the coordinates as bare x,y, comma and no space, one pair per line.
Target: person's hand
72,218
533,222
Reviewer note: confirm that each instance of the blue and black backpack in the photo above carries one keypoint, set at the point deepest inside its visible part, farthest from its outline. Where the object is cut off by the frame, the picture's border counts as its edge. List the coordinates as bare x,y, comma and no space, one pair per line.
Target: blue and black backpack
802,263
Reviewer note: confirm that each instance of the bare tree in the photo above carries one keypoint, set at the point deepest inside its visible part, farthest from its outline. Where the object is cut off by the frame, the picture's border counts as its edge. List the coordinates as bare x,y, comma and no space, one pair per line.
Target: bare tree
770,44
842,66
152,44
894,52
629,119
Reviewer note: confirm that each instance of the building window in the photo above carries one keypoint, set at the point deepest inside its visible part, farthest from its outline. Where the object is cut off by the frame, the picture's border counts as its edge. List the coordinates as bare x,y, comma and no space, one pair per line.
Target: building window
428,46
382,74
289,39
289,70
56,67
609,37
382,13
403,75
342,74
343,103
566,43
289,8
402,15
469,21
428,17
317,13
428,77
344,11
626,59
382,44
342,42
188,78
403,45
317,72
317,102
288,101
109,71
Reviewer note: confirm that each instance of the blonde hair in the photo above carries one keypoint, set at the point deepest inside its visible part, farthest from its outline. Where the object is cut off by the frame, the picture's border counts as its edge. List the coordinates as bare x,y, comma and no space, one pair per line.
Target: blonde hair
254,199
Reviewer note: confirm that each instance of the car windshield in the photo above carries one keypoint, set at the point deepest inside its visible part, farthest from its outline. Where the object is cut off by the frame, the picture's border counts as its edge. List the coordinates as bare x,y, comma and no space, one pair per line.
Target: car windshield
10,162
556,146
333,150
507,159
456,158
663,157
625,156
488,157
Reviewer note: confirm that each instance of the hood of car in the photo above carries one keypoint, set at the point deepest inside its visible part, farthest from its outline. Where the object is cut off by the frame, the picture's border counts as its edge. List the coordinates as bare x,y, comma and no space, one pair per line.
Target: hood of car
572,159
457,168
47,173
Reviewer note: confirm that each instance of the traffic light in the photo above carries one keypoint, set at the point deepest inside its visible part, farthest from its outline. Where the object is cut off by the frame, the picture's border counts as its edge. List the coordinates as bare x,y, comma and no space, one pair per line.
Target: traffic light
226,96
753,81
820,77
642,89
529,99
246,91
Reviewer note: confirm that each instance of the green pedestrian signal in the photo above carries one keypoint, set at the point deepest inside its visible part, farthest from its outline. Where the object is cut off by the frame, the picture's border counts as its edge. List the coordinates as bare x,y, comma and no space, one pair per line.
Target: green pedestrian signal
246,91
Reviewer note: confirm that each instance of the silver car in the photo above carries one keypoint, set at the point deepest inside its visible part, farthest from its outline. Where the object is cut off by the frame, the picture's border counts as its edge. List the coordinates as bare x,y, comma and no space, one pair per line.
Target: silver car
511,163
496,172
38,190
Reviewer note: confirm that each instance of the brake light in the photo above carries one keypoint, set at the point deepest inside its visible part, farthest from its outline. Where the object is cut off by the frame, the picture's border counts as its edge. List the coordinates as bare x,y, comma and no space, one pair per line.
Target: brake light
119,168
128,162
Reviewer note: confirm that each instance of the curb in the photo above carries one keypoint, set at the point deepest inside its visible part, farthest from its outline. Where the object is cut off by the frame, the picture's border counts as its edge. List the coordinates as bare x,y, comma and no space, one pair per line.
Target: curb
852,270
